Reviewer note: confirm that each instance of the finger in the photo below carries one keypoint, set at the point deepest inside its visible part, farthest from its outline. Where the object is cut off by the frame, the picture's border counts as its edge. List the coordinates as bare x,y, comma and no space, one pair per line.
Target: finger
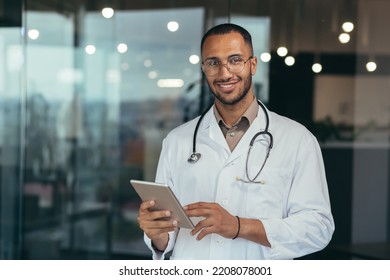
146,205
198,213
196,229
201,209
201,225
204,232
163,214
155,229
157,225
198,205
152,234
154,215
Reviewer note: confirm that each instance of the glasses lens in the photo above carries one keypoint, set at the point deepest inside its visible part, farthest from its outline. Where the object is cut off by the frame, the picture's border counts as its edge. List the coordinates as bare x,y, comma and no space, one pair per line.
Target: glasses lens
211,67
209,71
236,65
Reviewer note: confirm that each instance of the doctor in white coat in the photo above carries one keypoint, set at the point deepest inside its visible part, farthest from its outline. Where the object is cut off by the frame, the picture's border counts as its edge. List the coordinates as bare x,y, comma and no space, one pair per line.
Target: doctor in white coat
270,203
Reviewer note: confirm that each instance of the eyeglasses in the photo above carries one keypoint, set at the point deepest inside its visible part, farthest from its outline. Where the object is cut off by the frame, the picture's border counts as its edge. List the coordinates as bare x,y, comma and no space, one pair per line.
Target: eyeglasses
234,65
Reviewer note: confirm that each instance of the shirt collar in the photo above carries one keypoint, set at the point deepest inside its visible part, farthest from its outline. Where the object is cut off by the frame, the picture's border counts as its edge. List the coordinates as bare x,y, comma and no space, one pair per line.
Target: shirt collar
250,114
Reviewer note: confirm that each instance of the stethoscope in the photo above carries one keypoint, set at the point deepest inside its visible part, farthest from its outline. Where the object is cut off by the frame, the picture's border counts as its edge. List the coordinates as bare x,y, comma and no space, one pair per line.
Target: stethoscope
194,157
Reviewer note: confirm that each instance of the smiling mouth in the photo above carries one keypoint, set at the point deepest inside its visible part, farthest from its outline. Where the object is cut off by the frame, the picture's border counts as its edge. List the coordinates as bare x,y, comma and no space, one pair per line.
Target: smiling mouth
227,86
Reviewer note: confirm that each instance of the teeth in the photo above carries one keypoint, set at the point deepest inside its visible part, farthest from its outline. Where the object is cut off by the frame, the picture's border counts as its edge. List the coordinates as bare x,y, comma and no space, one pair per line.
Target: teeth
225,86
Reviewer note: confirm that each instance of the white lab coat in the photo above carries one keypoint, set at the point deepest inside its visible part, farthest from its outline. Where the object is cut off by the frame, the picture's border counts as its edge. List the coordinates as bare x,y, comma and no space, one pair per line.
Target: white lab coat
293,203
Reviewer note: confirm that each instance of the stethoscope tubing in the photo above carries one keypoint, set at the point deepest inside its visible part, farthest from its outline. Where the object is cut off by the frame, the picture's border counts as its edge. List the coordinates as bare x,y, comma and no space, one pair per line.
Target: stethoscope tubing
194,157
197,128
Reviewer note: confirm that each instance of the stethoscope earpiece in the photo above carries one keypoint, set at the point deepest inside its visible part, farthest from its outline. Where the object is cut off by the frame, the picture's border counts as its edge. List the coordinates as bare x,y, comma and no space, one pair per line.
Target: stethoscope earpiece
194,157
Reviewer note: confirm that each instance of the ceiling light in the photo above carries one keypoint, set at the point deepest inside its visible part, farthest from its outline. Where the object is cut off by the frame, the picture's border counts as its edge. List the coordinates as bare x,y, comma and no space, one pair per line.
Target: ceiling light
282,51
265,57
371,66
289,60
152,75
107,12
173,26
317,67
122,48
33,34
90,49
194,59
170,83
344,38
147,63
347,26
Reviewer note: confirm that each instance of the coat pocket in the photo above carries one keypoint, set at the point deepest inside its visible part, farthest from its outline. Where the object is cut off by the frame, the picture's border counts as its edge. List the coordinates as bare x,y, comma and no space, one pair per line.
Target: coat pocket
268,198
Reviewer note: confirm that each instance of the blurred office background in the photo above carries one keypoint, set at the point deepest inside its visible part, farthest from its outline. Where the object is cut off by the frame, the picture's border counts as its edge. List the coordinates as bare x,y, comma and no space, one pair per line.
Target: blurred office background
89,88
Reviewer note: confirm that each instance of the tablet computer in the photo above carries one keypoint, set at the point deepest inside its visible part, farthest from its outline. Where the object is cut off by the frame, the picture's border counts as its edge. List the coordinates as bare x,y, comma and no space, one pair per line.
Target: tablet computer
165,200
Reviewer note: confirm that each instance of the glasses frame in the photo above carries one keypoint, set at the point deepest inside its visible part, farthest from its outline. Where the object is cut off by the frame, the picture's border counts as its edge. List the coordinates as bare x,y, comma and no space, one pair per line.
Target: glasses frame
226,65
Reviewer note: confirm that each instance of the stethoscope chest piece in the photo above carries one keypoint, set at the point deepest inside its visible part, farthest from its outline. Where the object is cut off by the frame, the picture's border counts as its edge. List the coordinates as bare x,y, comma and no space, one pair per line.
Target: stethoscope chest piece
194,157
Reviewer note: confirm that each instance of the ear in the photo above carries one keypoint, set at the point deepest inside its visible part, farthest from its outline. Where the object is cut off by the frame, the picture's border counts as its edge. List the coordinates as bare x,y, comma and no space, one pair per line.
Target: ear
253,65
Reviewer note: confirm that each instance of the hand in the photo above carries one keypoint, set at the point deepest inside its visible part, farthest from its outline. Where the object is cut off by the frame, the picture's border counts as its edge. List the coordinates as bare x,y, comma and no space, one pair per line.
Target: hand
152,224
217,220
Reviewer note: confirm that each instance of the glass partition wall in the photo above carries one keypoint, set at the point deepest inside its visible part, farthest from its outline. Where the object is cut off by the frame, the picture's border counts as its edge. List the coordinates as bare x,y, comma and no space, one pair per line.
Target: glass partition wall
88,90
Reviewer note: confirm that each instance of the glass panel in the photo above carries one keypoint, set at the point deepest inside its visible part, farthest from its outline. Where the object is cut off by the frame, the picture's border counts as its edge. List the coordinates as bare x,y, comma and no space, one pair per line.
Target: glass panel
10,136
146,69
51,134
99,105
11,124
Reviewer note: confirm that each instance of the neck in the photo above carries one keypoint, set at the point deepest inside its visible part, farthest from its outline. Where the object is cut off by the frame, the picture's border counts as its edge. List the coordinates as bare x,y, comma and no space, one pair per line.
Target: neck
232,113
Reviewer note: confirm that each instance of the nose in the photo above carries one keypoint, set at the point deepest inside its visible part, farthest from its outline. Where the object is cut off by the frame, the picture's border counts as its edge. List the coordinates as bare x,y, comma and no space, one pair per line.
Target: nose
224,70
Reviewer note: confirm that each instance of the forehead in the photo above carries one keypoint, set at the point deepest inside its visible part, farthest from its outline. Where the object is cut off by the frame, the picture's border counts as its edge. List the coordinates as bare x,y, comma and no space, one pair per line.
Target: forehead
224,45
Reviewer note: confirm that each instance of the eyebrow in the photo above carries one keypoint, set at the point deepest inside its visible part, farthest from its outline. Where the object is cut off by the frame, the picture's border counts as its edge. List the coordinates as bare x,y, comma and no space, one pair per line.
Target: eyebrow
230,56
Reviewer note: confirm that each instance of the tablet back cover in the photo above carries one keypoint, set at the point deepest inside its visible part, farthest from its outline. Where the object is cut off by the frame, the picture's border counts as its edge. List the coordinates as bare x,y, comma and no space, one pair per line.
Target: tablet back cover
165,200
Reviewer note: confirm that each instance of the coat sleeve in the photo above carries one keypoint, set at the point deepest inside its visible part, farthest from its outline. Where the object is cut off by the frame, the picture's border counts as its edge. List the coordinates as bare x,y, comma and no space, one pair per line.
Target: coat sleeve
308,225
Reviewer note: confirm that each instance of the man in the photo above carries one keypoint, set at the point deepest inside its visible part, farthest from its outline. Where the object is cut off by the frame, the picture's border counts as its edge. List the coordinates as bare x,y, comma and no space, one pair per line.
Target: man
270,203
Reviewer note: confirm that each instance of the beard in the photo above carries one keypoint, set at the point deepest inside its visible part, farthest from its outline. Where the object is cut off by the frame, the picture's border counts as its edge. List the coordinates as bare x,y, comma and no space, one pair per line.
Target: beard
240,96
